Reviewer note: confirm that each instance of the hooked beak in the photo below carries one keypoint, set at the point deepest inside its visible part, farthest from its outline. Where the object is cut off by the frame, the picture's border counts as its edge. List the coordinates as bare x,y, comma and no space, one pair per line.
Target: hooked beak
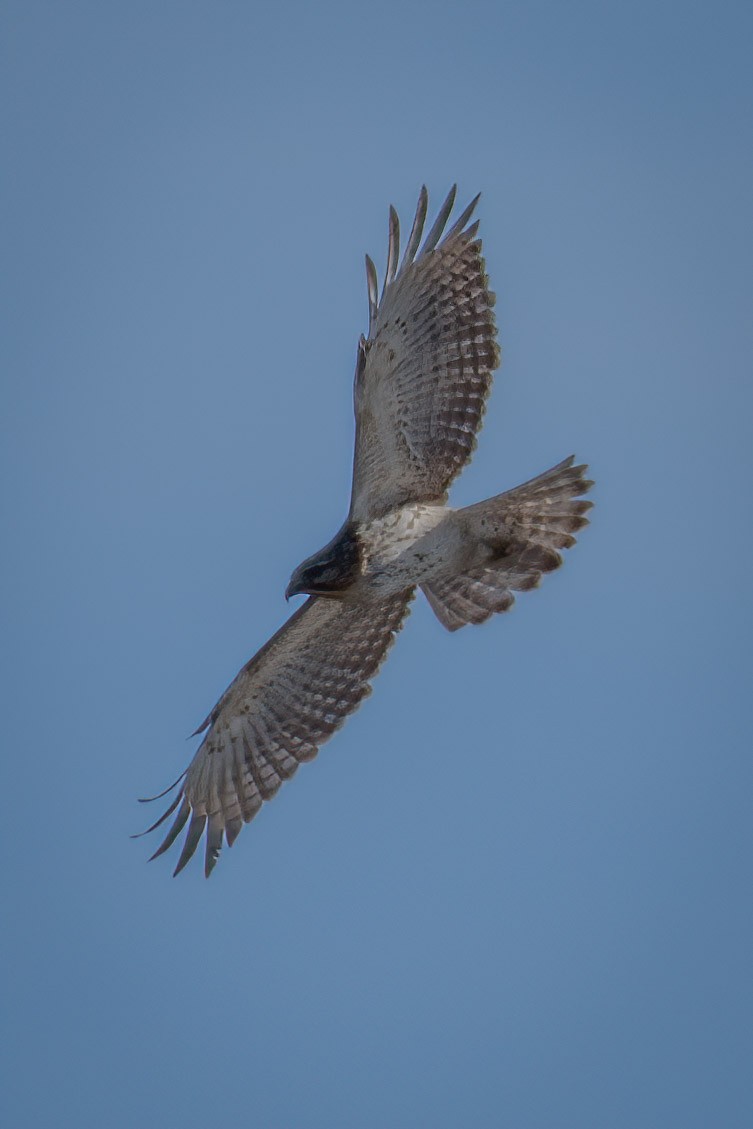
292,589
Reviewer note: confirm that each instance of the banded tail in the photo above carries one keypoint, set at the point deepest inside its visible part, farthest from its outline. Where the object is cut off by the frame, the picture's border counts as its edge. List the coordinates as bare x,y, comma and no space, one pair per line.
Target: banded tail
521,531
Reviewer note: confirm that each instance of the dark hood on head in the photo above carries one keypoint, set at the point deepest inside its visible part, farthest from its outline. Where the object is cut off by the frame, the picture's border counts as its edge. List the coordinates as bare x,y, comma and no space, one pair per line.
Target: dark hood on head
332,570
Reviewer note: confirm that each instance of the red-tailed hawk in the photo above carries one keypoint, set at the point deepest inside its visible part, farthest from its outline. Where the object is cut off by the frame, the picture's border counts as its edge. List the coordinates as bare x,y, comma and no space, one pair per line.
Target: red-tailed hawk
422,378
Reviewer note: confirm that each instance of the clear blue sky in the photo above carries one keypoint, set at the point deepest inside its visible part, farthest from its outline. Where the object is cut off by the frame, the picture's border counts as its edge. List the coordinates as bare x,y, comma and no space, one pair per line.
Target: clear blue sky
515,891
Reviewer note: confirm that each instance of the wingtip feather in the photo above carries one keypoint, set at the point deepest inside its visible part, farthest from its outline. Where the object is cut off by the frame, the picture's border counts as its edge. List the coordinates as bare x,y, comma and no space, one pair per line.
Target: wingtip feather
417,229
162,818
393,249
193,835
463,218
372,285
179,823
160,795
439,223
215,830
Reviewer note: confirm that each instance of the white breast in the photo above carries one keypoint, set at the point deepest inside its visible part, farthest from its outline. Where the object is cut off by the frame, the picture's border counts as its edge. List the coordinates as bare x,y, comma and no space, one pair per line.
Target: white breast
405,546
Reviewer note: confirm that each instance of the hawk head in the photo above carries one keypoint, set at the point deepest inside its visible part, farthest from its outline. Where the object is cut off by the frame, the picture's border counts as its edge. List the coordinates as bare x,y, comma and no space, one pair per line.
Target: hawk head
331,571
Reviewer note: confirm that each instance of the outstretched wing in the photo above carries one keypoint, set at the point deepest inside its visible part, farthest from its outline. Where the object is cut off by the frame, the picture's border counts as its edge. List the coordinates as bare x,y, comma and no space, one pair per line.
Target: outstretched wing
424,373
285,703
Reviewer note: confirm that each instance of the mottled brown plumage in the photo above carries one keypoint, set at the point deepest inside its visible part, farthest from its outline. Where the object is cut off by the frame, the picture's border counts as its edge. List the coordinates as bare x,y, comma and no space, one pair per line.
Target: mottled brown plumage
425,370
423,375
288,700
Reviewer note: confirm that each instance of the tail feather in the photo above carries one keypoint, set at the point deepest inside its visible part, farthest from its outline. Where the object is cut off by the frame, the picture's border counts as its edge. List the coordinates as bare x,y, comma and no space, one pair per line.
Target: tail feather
468,599
520,532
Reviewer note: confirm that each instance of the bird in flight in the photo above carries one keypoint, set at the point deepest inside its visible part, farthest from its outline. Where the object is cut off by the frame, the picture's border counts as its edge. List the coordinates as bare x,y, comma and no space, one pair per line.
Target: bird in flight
422,378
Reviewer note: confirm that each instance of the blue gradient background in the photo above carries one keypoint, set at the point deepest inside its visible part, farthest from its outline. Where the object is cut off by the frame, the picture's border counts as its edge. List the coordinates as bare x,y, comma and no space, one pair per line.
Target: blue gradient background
515,891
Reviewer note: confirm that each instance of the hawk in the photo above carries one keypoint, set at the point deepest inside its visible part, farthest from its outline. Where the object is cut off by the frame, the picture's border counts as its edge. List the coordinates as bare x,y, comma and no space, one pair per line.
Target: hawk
422,379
